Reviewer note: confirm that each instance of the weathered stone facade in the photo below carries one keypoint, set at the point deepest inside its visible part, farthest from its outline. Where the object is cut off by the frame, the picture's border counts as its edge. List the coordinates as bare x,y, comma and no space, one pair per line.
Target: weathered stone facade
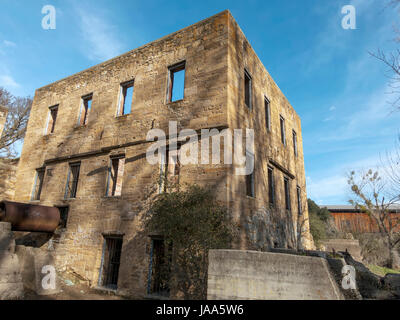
8,172
215,52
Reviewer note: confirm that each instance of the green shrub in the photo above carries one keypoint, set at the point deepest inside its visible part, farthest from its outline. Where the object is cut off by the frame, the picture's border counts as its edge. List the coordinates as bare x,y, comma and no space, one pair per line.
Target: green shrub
193,222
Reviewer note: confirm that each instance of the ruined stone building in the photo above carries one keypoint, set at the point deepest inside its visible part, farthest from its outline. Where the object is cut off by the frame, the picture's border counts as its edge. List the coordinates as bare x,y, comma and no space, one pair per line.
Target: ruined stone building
85,151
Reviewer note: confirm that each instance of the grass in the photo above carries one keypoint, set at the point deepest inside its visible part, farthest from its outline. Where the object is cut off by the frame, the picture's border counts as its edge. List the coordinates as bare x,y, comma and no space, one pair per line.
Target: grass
381,271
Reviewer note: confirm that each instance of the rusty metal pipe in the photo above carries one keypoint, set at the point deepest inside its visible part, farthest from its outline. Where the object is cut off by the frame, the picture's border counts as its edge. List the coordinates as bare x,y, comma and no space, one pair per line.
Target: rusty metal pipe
29,217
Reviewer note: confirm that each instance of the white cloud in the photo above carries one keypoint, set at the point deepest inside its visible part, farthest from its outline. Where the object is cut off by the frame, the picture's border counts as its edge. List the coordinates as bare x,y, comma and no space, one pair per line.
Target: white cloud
331,186
332,108
364,116
328,119
8,43
8,81
100,40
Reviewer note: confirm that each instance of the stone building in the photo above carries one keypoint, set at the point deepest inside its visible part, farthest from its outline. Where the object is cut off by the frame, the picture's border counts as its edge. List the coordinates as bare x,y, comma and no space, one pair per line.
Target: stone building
85,151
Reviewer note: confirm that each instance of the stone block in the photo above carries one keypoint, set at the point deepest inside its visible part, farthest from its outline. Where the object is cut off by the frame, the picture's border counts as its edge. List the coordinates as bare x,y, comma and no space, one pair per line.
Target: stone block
8,262
7,242
252,275
11,291
5,227
392,282
37,267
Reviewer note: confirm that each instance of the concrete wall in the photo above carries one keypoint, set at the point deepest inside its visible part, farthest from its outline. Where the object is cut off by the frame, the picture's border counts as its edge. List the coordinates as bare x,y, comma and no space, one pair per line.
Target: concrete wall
269,276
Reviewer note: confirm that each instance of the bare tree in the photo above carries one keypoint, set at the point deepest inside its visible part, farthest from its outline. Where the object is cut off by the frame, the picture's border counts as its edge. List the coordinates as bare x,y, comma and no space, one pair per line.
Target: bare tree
391,165
301,227
17,120
392,61
374,195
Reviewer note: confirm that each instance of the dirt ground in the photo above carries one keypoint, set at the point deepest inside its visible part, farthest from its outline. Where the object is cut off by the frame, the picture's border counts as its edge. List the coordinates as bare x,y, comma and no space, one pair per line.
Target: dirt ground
74,292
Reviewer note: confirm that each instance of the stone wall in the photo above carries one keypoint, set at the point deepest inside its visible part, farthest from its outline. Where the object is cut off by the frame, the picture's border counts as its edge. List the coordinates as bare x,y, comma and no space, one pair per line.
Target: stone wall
279,225
251,275
8,177
92,214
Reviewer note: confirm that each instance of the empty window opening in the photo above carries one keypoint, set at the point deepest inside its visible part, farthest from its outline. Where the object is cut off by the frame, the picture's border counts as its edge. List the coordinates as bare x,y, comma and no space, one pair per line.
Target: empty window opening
86,105
72,180
38,184
63,216
52,119
176,82
287,193
283,130
271,187
111,261
300,212
126,98
295,143
160,268
247,89
267,114
250,185
115,176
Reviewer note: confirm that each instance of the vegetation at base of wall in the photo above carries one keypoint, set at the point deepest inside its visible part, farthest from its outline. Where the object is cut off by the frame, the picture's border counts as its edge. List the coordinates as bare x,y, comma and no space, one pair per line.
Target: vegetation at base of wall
381,271
374,249
191,222
320,222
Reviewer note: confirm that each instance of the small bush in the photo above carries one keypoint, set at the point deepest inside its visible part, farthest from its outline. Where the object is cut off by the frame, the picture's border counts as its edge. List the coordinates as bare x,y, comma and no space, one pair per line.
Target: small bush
321,222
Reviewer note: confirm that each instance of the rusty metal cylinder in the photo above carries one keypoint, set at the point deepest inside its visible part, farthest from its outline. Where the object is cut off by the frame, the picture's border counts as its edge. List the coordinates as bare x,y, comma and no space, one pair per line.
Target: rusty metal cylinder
29,217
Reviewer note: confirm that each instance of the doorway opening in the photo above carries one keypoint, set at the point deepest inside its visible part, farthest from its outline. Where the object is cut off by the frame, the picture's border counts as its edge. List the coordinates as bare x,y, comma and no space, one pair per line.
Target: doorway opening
111,261
160,267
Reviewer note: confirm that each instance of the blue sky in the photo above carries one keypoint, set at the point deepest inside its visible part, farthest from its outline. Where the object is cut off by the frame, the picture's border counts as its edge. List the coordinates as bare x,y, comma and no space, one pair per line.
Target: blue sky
337,88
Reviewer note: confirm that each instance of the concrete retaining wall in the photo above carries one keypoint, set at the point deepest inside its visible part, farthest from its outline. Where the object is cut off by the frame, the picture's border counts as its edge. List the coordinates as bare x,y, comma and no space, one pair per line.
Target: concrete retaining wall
251,275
